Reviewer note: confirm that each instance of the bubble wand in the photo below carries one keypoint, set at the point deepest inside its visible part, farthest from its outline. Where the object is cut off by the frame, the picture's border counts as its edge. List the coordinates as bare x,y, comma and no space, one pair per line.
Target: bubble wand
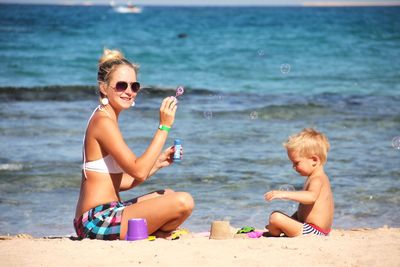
179,91
177,142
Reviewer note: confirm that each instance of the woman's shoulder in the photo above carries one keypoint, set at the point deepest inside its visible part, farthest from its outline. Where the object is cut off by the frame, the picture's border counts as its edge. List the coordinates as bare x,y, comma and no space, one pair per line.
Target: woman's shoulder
102,123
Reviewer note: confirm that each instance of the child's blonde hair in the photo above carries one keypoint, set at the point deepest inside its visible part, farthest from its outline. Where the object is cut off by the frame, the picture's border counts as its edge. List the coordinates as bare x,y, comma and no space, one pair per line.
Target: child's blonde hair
309,142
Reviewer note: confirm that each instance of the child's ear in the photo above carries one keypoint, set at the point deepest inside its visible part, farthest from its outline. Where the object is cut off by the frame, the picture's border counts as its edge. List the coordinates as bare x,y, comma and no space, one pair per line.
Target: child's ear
316,160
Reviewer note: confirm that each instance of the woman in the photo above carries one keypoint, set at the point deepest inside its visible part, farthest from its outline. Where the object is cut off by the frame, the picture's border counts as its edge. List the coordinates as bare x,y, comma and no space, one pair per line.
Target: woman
109,166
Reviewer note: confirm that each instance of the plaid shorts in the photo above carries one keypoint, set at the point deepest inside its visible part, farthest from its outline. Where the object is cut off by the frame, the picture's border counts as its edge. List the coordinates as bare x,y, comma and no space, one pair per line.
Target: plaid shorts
101,222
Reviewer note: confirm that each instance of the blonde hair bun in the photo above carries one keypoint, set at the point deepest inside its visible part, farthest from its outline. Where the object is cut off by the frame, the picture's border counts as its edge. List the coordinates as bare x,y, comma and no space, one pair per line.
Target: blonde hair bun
111,55
108,63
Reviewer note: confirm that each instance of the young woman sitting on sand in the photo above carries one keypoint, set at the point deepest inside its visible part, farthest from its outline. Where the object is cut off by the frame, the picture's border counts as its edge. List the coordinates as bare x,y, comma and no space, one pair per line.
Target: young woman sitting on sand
109,166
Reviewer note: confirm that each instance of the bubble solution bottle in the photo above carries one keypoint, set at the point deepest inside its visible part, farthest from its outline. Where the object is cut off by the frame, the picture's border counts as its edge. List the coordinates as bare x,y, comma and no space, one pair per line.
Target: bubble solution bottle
177,153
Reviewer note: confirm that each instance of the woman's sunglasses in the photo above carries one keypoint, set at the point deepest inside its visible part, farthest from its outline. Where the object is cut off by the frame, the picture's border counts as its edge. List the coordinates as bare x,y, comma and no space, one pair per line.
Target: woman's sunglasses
122,86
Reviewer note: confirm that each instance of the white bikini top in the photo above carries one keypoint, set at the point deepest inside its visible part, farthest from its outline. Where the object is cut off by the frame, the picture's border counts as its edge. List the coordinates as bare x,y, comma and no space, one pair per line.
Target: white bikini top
103,165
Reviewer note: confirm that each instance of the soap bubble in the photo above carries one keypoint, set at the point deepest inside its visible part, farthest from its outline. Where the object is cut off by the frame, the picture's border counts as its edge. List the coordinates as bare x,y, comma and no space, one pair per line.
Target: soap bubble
285,68
293,207
179,91
396,142
287,187
254,115
208,115
215,97
227,218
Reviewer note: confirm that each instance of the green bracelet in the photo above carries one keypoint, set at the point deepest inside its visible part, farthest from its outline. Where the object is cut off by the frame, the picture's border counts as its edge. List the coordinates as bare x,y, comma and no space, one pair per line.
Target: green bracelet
164,128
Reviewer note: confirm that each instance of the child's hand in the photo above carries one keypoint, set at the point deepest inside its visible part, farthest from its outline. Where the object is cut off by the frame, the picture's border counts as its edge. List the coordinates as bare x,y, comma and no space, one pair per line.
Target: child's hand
271,195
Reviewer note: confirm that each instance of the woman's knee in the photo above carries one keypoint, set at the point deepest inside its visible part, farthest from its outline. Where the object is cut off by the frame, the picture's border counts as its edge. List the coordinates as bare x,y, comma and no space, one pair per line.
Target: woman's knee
184,201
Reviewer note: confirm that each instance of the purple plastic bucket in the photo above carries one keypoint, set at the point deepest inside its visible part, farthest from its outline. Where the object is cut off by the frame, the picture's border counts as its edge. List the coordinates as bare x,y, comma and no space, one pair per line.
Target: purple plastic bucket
137,229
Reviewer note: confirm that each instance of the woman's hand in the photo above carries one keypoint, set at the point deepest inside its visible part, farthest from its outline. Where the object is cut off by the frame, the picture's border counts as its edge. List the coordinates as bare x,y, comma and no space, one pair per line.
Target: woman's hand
168,110
164,160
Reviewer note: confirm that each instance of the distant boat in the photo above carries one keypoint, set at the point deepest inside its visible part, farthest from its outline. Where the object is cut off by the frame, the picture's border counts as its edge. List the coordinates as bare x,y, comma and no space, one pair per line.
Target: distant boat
128,8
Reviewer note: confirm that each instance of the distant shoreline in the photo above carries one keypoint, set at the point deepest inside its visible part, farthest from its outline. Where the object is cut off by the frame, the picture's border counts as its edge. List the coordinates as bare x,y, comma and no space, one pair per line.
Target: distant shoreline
304,4
350,4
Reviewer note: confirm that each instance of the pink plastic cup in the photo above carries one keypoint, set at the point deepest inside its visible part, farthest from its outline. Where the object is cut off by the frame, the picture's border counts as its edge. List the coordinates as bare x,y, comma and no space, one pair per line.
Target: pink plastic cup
137,229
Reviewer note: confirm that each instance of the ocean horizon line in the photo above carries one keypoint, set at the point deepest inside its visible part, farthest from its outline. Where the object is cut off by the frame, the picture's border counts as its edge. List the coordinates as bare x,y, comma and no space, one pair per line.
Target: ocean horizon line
332,4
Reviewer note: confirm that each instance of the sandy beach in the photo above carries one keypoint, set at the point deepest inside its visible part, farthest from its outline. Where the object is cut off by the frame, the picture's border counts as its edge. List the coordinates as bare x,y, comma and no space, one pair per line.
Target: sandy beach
355,247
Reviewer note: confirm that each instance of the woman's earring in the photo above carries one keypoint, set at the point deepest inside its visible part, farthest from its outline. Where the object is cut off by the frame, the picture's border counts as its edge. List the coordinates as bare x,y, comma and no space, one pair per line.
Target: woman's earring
104,101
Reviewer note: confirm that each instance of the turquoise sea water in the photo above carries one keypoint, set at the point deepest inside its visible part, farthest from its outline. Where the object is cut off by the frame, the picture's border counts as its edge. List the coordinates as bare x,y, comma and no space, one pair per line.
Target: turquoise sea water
253,76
